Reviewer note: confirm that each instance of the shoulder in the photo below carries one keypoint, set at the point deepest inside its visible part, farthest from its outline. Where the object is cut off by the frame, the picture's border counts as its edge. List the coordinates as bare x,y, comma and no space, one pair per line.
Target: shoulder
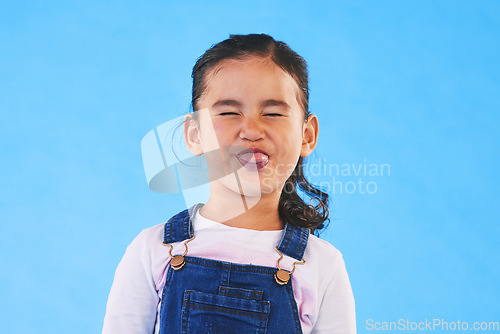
319,248
152,234
146,238
324,259
144,243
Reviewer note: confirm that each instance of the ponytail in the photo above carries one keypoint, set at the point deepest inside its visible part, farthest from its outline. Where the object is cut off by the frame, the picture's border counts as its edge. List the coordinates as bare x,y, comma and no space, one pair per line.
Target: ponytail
294,210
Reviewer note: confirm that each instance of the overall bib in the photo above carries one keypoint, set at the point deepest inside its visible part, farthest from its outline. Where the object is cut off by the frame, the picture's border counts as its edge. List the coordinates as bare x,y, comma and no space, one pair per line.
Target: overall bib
210,296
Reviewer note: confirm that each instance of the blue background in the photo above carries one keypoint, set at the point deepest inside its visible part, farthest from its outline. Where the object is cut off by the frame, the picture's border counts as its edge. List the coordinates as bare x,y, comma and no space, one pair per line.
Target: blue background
413,84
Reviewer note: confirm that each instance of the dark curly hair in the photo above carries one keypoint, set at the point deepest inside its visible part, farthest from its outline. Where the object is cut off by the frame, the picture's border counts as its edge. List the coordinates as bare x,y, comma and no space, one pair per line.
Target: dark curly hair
292,208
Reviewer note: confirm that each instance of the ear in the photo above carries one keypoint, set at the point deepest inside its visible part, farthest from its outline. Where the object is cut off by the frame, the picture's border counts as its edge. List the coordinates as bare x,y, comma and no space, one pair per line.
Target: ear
309,135
192,135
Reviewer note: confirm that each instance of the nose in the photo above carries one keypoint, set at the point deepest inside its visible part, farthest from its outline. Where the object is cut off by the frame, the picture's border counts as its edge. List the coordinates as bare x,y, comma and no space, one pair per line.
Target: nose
251,129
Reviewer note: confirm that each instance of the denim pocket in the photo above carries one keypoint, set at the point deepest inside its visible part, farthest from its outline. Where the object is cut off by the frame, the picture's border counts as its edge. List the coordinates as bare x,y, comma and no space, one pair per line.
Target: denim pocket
209,313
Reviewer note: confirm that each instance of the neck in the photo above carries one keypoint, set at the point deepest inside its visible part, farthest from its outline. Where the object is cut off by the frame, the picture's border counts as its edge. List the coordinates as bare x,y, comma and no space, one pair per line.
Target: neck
244,212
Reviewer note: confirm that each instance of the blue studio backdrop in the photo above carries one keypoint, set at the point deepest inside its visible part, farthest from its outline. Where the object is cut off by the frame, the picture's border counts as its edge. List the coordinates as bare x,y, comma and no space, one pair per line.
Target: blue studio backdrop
407,98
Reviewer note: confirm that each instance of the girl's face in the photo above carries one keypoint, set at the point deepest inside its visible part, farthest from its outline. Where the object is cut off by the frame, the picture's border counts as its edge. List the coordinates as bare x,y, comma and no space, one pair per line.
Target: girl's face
251,127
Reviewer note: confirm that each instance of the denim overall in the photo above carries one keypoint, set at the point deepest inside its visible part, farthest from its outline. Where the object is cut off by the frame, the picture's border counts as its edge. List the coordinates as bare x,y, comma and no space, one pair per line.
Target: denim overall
210,296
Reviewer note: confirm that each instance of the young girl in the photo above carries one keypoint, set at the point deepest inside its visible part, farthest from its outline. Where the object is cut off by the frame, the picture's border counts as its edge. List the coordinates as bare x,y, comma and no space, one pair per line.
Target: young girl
247,261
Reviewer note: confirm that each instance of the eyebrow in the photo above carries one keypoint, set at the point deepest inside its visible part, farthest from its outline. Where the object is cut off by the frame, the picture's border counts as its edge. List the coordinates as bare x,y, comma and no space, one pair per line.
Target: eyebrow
275,103
232,103
266,103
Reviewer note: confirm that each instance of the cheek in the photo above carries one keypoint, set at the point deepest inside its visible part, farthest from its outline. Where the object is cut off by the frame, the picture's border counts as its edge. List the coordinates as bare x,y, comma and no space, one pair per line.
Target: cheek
222,133
212,134
293,142
289,153
221,128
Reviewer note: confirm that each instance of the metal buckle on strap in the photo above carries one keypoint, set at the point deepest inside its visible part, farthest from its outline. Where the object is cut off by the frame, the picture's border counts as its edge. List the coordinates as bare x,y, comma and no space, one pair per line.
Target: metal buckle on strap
282,276
178,261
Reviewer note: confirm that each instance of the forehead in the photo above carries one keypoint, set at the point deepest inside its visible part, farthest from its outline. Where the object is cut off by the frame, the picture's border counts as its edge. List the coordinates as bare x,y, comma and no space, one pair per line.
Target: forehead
252,78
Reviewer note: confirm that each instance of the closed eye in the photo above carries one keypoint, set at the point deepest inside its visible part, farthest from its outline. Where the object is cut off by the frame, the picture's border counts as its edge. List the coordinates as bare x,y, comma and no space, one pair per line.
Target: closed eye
228,113
273,115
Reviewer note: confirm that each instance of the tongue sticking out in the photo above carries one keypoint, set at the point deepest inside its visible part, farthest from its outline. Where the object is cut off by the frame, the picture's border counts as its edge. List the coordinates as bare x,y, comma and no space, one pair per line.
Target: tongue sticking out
252,157
253,160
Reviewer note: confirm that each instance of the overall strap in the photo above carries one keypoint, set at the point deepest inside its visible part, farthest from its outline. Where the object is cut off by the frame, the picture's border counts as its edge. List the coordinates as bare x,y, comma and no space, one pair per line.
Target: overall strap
294,241
179,227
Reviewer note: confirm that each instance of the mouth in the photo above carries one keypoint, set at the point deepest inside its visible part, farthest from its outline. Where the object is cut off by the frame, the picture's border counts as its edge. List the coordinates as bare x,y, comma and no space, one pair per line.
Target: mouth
253,158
